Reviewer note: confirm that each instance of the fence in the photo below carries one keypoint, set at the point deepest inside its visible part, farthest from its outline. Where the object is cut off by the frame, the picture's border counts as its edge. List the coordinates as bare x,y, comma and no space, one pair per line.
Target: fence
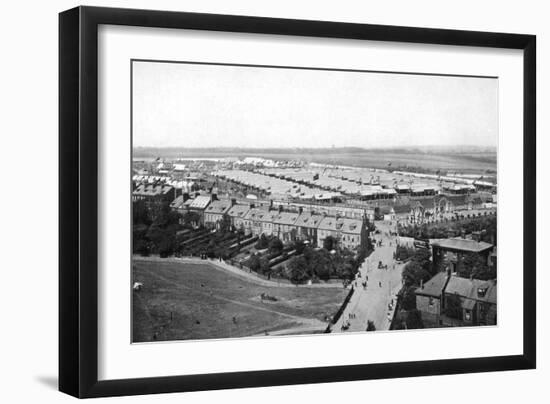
340,311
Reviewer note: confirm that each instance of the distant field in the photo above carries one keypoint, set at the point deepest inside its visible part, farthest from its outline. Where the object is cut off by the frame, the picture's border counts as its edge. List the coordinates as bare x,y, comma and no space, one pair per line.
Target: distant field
208,303
466,160
477,162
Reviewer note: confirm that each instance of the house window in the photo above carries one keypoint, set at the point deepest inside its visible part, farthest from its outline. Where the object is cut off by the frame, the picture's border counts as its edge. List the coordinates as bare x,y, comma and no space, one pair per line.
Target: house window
431,301
481,292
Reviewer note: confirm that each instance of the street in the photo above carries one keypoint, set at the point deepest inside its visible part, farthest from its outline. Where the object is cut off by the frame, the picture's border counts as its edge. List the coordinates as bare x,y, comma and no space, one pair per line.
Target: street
382,285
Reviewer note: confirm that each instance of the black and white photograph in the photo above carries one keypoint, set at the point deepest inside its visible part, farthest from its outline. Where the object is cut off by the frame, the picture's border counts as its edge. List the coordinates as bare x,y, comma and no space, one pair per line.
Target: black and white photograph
273,201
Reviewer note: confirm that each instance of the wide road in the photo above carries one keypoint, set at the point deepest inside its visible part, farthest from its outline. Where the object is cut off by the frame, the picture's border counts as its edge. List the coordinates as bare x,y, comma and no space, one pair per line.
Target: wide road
371,302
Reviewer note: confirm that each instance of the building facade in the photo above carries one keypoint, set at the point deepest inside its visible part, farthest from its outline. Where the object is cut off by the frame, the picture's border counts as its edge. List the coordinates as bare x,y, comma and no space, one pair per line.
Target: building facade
215,212
449,300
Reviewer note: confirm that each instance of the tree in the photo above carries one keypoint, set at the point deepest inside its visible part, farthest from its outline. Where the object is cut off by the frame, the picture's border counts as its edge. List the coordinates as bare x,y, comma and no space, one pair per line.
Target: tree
141,247
254,263
408,298
369,226
475,265
299,246
140,213
191,218
211,248
275,245
414,273
414,320
485,273
329,243
319,263
165,246
264,266
453,306
225,223
262,242
422,258
297,269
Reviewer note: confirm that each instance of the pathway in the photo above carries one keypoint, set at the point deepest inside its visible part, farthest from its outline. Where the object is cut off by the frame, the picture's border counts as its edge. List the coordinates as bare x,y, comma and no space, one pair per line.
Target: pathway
372,303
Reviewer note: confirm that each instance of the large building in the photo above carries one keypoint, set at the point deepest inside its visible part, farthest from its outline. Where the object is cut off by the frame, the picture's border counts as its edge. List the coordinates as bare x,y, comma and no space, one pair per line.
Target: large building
474,301
215,212
307,225
237,214
153,192
254,221
285,221
449,253
285,228
429,299
349,233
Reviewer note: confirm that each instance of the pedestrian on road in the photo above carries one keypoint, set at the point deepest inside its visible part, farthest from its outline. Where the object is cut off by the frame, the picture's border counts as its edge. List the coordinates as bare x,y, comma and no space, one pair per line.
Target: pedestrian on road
380,283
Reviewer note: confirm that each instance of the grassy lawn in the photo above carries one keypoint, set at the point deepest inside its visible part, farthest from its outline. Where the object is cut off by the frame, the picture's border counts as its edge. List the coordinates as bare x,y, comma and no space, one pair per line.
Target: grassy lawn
195,301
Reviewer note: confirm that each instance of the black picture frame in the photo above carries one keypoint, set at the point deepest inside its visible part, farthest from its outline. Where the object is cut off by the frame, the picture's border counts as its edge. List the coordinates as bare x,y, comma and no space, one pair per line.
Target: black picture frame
78,196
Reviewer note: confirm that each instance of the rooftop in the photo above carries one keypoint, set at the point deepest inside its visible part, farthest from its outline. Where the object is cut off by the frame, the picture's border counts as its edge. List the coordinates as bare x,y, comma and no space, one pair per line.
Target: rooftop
177,203
219,207
476,289
238,210
259,214
200,202
309,219
343,224
434,287
285,218
460,244
152,190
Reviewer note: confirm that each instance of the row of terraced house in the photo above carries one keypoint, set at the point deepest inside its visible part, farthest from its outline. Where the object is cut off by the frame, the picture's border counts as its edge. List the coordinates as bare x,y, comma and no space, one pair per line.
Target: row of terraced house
288,223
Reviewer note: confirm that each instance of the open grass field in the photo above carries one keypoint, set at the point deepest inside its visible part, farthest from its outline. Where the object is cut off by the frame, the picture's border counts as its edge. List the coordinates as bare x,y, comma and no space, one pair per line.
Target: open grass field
181,301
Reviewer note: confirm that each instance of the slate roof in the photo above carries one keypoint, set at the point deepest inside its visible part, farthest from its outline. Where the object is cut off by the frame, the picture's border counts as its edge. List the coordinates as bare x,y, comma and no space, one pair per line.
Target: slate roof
238,210
257,214
461,244
200,202
177,203
345,225
434,287
285,218
309,219
471,288
152,190
219,207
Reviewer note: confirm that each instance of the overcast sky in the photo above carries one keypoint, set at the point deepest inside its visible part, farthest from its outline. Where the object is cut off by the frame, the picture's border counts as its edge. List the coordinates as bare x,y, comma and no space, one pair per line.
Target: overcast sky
194,105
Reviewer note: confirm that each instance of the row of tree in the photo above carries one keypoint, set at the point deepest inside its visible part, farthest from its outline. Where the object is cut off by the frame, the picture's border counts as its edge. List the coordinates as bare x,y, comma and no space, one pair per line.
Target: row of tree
154,228
486,226
419,269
